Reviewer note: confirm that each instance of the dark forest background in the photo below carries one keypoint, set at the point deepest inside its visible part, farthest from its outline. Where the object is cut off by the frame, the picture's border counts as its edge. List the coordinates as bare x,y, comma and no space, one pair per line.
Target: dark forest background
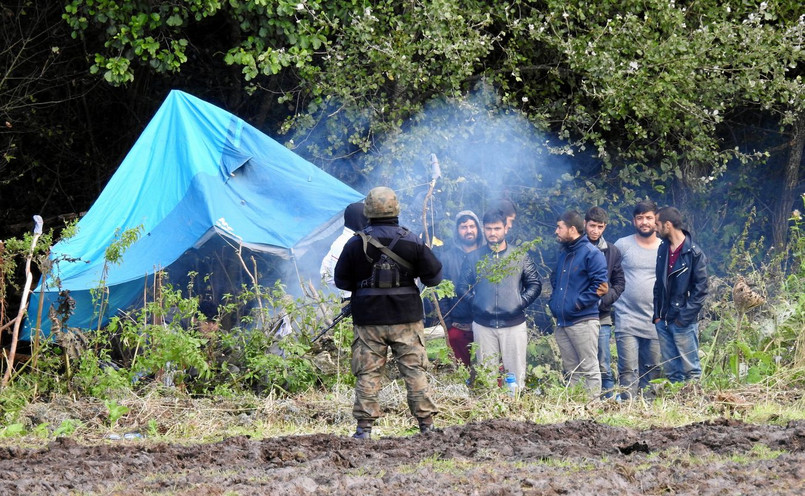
553,104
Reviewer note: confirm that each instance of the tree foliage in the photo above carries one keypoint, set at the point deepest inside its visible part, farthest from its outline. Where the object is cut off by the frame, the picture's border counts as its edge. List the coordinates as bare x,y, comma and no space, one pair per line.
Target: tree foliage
641,97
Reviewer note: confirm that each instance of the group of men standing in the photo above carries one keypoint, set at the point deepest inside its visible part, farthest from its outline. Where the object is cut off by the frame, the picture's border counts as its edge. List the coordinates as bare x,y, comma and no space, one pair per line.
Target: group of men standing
650,288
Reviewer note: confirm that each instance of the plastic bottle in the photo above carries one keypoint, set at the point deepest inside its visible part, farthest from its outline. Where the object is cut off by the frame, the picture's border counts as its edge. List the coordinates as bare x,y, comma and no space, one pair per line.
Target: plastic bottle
511,384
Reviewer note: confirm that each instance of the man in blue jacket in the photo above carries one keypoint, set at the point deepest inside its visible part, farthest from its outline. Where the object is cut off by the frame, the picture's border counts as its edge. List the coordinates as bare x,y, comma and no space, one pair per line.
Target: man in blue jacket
579,282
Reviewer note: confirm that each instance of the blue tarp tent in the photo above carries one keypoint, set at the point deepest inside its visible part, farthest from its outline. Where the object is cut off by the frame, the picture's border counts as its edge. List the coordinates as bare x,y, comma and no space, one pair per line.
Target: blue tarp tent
197,174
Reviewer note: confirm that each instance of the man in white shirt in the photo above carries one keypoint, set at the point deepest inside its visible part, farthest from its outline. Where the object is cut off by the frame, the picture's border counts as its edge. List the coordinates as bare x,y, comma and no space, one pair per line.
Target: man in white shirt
354,220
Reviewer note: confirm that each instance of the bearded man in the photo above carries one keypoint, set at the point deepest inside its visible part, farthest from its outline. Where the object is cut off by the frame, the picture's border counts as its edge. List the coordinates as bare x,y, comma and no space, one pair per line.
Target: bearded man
457,310
635,334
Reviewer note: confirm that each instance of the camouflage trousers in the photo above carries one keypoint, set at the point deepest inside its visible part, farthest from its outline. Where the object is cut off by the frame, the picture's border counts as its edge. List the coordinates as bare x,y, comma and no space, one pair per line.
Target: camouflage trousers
369,352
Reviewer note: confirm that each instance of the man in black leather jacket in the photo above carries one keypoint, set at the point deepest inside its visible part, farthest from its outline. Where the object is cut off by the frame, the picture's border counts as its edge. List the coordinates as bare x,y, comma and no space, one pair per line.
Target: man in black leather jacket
503,283
679,293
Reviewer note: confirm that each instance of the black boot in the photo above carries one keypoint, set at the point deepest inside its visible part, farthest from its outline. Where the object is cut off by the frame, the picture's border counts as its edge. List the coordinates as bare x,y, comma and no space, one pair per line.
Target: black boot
426,425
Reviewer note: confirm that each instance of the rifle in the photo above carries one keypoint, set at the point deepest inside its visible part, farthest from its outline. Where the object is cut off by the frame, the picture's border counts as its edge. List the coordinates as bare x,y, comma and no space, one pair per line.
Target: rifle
345,312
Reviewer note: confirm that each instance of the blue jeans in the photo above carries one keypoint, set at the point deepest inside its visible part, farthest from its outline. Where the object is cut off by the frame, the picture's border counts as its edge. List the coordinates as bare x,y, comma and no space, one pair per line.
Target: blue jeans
605,361
680,351
638,362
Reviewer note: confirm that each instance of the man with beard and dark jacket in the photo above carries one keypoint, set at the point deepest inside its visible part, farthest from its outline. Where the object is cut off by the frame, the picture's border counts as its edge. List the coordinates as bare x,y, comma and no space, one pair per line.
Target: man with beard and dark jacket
579,282
503,282
457,310
679,293
595,222
379,266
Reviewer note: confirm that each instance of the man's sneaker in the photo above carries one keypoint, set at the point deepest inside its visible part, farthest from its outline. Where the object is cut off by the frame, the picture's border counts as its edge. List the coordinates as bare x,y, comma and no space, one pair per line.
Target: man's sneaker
621,397
363,433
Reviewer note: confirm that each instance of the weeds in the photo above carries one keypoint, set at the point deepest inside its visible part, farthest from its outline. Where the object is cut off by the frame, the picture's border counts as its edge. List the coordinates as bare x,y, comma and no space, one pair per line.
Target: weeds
169,370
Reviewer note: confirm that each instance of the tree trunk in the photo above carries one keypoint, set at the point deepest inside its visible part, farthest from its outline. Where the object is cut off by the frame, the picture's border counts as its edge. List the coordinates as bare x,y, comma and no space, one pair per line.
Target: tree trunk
790,180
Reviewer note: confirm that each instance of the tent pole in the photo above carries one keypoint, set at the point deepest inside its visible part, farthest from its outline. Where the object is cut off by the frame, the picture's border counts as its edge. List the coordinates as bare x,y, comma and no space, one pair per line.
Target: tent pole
296,267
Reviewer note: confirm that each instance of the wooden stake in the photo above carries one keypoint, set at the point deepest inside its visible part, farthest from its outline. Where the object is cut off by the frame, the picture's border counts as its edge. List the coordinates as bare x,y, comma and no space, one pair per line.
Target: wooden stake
26,291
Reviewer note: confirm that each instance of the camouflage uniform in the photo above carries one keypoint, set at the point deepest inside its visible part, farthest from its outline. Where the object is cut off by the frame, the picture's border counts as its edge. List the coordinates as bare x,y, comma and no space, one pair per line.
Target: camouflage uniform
369,352
387,315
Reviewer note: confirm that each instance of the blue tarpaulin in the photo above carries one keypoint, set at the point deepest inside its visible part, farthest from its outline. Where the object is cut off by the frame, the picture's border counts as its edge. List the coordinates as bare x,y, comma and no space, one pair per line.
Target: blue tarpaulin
197,173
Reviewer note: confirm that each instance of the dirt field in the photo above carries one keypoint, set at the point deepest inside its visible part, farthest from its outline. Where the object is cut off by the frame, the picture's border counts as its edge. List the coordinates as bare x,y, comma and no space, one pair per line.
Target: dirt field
491,457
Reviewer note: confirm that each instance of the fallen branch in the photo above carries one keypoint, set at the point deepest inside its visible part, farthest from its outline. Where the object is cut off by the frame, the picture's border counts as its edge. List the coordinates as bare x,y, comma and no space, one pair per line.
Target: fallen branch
8,324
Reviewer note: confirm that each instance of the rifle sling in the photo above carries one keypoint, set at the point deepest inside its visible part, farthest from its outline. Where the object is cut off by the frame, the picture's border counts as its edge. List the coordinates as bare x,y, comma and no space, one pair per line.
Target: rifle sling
367,238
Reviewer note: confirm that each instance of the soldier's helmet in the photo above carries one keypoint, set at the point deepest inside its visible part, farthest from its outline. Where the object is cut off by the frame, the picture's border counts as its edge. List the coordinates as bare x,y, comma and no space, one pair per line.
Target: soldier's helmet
381,202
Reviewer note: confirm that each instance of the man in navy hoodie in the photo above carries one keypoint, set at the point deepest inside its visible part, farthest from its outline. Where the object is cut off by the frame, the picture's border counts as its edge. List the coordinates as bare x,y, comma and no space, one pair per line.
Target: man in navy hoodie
457,310
579,281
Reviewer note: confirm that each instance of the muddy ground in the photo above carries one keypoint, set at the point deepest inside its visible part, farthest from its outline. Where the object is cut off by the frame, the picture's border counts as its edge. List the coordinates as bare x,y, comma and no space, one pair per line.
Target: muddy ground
490,457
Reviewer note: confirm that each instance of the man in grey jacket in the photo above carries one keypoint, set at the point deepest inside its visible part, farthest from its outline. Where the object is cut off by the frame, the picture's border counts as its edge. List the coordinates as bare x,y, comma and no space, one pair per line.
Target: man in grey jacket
505,283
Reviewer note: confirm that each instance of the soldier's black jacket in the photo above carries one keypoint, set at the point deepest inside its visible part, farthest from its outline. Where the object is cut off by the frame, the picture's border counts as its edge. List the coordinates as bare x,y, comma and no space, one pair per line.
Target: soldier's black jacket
393,306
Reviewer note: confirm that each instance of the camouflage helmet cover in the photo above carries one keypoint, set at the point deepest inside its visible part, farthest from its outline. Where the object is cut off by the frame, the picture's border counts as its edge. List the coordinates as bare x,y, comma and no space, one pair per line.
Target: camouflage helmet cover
381,202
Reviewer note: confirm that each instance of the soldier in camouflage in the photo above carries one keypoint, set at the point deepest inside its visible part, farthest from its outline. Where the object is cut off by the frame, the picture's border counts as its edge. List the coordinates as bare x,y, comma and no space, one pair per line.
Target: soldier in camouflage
387,316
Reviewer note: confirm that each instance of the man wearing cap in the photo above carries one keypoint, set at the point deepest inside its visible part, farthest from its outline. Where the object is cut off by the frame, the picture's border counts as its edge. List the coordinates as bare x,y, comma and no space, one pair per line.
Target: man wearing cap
379,267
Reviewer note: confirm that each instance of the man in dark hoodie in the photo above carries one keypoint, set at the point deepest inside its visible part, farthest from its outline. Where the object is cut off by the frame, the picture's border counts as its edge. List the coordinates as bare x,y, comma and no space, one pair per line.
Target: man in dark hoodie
379,267
504,281
679,293
595,222
457,310
579,282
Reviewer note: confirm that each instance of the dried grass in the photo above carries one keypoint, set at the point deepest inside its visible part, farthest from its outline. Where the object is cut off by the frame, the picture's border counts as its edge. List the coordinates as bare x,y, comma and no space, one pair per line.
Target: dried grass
168,415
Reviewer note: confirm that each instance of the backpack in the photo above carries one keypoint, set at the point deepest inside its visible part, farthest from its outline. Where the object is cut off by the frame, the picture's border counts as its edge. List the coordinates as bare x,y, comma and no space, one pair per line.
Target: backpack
386,270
